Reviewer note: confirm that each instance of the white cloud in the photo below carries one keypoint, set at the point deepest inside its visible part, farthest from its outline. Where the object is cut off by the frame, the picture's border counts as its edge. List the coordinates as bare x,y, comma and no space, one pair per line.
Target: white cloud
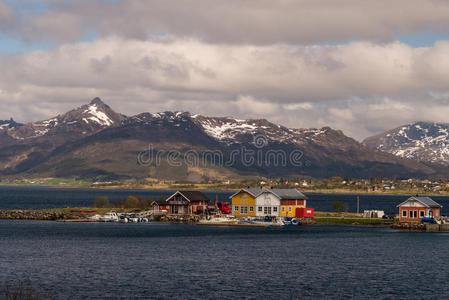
298,106
360,87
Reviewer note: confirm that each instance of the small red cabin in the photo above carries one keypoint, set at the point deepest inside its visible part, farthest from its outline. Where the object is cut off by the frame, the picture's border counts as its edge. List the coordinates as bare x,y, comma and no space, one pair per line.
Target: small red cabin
187,202
415,208
160,206
304,212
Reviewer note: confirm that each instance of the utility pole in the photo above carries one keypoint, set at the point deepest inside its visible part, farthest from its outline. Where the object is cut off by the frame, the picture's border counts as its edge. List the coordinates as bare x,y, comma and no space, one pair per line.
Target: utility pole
358,204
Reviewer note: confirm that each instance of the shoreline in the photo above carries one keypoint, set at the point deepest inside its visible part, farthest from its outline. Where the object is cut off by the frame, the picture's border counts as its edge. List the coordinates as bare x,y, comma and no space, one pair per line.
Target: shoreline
224,189
83,214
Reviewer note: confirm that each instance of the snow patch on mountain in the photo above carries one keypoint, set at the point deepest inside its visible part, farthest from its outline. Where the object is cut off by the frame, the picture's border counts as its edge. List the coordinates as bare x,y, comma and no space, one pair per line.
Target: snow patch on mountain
227,130
422,141
98,116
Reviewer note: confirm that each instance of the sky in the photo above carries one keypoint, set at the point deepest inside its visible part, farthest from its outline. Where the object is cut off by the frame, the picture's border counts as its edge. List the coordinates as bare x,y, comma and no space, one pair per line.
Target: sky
359,66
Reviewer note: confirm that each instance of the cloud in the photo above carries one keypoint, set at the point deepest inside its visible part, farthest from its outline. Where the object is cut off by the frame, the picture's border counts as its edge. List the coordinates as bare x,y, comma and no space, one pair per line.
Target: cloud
361,87
238,21
7,16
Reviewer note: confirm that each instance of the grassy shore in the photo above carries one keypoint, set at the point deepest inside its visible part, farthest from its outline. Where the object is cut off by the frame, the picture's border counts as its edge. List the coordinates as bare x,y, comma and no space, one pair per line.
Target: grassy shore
345,218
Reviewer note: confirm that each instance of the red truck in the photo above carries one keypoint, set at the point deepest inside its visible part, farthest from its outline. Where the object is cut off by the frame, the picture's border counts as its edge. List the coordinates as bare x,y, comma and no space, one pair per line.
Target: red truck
224,207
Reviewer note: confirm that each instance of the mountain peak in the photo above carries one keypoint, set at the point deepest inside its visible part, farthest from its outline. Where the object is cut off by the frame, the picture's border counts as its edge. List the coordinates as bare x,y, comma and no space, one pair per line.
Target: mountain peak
96,100
422,141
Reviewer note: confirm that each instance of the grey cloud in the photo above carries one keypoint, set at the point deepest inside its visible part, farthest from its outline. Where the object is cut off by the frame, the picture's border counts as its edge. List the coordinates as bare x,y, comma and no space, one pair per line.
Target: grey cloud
7,17
241,21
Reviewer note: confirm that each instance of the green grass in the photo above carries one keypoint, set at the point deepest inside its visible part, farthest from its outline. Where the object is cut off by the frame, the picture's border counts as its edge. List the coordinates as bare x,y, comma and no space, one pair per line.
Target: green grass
363,221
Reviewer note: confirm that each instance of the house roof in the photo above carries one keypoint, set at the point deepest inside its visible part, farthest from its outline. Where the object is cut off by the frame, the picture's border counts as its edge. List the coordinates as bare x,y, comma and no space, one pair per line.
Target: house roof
191,196
287,194
426,201
159,202
252,192
283,194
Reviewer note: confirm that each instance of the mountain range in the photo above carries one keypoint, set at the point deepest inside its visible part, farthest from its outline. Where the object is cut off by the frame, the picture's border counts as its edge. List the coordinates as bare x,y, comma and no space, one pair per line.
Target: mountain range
95,142
420,141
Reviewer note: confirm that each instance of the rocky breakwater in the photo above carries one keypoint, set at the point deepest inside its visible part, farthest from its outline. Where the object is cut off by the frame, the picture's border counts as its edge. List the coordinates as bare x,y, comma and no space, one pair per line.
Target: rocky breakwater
410,226
48,215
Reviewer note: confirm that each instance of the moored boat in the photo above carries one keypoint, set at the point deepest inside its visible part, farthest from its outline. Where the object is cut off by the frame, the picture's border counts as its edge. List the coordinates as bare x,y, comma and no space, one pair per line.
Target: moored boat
217,220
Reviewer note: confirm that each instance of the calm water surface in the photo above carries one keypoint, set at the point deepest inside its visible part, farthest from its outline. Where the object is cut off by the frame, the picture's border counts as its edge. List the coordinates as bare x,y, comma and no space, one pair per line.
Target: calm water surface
163,261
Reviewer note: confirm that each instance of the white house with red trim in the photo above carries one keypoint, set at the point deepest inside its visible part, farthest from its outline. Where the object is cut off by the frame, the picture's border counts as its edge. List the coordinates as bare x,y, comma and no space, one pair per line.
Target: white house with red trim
415,208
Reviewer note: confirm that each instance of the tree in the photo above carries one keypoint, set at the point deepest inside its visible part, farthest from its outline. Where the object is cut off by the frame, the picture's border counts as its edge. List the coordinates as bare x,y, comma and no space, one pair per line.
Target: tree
340,206
132,202
101,201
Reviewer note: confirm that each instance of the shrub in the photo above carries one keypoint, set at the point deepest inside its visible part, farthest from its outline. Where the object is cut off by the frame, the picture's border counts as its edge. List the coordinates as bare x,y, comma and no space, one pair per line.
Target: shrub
101,201
340,206
132,202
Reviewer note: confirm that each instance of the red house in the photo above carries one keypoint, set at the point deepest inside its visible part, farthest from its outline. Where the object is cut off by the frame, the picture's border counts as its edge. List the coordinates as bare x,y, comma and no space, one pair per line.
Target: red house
187,202
415,208
160,206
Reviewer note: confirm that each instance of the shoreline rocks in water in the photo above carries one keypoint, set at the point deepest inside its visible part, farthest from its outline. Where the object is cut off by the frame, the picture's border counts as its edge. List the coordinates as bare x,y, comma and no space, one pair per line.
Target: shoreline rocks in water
42,215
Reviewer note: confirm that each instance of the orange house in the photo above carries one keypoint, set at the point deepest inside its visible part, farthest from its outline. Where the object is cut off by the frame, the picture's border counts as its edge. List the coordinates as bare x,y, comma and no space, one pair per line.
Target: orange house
415,208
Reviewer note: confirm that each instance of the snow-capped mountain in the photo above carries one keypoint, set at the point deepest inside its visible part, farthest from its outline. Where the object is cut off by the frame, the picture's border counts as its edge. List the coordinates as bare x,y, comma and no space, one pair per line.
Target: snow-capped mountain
422,141
84,120
229,130
93,141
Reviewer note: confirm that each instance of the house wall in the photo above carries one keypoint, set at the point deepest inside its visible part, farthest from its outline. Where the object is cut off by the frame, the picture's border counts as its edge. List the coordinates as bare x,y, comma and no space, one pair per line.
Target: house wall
267,204
246,200
178,205
288,207
195,206
159,208
418,209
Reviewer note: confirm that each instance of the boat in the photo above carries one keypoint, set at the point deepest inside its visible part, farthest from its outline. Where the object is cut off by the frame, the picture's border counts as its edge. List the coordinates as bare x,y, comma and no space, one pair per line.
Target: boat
217,220
95,218
266,222
122,218
290,221
111,216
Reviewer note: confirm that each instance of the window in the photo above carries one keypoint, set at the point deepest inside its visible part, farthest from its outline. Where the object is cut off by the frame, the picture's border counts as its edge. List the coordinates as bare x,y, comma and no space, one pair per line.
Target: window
243,209
236,208
275,209
421,213
283,209
251,208
404,213
290,209
415,214
259,208
267,210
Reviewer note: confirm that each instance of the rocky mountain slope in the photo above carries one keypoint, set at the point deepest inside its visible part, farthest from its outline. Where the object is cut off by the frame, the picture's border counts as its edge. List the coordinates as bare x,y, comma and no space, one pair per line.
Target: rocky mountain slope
93,141
82,121
421,141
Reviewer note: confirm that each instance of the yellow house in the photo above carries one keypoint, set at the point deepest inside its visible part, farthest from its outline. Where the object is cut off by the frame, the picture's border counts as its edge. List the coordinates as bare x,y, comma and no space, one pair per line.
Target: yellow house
244,203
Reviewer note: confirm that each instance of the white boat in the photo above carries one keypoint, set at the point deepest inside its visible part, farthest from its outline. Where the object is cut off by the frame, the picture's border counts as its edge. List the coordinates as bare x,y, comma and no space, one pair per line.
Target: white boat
217,220
109,217
267,222
96,217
